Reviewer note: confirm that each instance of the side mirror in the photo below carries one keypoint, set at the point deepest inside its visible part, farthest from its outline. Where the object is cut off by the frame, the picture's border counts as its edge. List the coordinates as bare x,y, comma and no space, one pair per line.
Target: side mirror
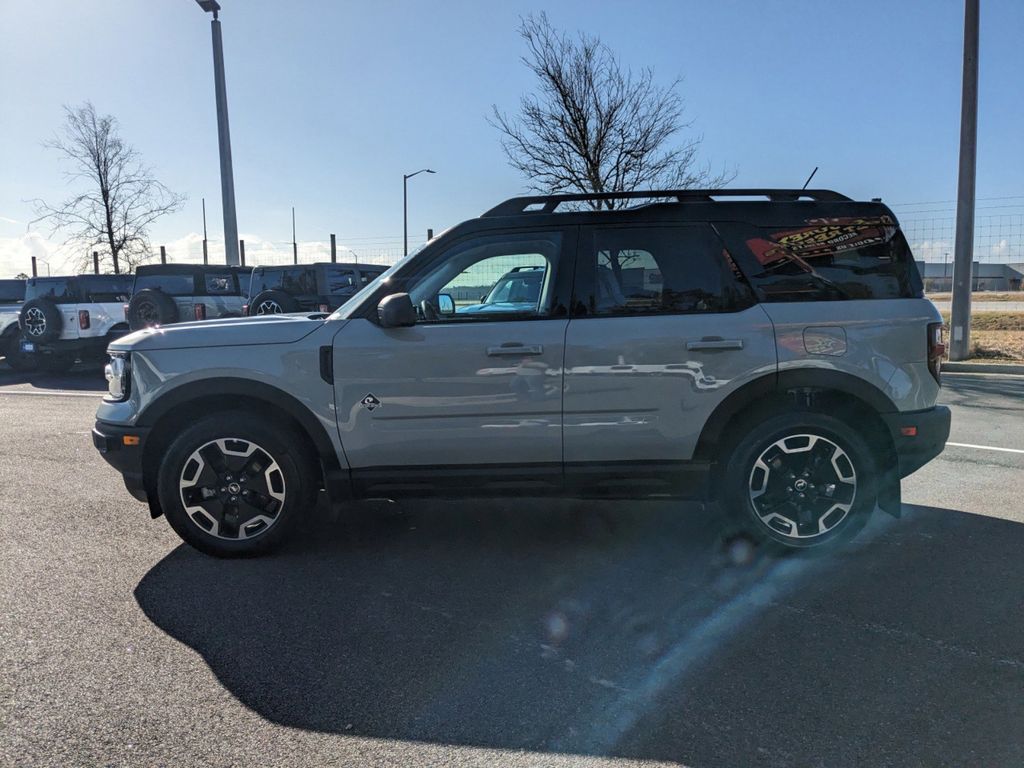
445,304
396,311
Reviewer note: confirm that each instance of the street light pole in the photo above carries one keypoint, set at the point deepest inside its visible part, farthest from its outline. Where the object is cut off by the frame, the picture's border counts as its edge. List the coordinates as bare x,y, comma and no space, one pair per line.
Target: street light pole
405,207
227,178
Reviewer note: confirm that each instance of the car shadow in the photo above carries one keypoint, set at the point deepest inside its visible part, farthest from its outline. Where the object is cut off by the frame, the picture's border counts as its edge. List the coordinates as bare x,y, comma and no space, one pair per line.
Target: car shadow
619,629
84,377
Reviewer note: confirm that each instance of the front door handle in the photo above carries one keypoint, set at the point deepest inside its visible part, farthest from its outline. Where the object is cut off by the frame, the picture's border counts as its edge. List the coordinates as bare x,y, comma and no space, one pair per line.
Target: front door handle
515,349
715,343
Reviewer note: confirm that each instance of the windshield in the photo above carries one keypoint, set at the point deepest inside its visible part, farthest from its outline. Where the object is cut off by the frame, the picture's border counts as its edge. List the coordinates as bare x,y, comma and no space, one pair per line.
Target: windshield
516,289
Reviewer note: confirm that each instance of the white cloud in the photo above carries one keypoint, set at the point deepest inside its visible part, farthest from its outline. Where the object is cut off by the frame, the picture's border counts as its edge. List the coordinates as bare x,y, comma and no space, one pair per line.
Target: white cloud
932,250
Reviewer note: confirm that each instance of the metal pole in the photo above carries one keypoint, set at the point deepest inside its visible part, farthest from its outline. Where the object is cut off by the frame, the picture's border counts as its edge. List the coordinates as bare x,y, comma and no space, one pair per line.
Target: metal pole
963,251
206,255
295,247
334,250
96,262
163,255
405,215
227,179
241,251
35,272
430,234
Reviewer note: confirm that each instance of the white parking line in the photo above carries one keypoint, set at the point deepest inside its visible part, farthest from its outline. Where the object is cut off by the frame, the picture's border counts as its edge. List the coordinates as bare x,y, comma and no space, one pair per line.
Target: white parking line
986,447
51,393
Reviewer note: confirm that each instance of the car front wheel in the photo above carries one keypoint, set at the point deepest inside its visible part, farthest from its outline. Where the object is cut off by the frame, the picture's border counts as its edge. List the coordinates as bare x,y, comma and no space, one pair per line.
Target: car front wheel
232,486
800,480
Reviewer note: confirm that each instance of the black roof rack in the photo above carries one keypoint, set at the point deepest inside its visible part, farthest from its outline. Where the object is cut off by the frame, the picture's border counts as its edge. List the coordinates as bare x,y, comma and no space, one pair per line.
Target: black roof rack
549,203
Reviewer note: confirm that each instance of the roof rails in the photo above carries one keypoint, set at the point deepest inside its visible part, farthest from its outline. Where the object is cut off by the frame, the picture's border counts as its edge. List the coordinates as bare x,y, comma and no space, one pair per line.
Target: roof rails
549,203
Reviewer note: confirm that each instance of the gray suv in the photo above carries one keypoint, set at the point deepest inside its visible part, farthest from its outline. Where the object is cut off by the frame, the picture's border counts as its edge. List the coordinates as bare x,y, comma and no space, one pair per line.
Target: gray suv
766,350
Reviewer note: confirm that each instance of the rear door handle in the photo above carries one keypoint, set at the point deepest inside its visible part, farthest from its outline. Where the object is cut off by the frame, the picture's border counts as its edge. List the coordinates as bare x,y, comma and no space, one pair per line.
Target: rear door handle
715,344
514,349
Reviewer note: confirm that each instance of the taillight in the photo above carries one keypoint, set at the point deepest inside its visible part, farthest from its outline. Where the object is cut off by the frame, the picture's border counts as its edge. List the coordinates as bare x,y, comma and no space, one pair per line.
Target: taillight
126,310
83,319
200,311
245,310
936,349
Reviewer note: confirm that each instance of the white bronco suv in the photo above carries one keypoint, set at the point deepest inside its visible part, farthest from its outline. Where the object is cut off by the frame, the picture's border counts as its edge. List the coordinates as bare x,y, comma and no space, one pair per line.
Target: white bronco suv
66,319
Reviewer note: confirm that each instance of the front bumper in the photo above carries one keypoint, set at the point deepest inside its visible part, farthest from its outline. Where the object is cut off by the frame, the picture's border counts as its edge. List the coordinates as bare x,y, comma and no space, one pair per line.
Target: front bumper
930,430
122,449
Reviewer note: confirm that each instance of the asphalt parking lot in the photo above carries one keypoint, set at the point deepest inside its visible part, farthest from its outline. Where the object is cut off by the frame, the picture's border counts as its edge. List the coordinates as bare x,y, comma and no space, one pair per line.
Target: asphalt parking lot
515,633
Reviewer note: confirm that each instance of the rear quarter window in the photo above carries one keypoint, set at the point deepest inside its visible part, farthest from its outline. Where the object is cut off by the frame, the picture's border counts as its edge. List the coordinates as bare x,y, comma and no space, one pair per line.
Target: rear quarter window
835,258
60,291
12,291
172,285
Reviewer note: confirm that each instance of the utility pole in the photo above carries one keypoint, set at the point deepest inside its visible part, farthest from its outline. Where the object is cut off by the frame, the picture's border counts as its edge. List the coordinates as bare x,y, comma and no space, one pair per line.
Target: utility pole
295,246
206,255
963,251
227,178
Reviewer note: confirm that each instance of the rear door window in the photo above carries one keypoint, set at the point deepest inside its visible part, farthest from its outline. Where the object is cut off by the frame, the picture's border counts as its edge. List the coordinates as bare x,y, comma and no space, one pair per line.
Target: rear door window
655,270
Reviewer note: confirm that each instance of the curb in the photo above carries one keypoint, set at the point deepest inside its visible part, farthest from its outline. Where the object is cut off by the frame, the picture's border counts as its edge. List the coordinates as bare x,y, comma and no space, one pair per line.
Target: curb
1010,368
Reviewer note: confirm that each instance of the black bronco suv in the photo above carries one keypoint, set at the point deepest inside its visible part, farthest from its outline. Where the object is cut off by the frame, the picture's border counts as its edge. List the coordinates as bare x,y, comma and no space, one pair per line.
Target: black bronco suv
307,287
172,293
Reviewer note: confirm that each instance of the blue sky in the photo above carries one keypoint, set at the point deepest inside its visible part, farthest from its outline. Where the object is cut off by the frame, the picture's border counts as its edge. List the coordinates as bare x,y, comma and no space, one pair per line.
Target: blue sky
330,102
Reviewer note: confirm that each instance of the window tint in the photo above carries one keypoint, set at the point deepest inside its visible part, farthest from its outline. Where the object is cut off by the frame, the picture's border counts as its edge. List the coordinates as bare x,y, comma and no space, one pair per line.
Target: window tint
104,288
837,258
12,290
472,271
220,283
60,290
655,270
172,285
368,276
297,281
341,280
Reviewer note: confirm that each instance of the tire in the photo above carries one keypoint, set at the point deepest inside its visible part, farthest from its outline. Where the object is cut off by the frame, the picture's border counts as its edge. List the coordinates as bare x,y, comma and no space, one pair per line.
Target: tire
150,307
40,320
273,303
255,456
799,481
16,359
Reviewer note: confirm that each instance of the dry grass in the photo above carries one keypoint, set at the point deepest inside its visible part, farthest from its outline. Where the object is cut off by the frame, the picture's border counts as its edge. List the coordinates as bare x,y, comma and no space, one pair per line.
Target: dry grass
982,296
995,335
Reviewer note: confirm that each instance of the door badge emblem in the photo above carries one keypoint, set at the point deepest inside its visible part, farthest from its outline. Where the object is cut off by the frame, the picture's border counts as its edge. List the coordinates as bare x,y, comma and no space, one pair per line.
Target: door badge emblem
371,402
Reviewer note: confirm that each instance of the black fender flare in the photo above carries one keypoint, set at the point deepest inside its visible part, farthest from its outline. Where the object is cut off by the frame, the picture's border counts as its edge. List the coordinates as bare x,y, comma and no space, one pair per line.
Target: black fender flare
774,384
231,387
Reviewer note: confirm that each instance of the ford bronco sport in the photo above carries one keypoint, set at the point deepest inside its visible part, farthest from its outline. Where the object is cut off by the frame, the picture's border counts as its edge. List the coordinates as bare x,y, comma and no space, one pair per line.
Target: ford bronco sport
65,319
773,355
307,287
167,293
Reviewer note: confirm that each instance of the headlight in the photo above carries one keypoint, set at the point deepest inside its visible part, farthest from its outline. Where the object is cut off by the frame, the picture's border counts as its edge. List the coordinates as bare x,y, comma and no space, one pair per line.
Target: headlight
118,373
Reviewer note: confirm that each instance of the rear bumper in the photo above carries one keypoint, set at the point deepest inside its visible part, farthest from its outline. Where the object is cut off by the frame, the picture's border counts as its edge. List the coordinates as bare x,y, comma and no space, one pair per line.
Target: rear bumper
88,347
931,430
109,440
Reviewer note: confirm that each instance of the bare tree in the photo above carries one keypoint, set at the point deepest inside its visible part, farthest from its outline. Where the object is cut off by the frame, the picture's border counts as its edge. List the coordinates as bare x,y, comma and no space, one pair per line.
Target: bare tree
594,126
121,198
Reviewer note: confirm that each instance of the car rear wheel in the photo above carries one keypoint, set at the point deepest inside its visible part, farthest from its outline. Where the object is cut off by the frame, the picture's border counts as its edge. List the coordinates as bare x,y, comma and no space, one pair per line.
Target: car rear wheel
273,303
800,480
234,486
